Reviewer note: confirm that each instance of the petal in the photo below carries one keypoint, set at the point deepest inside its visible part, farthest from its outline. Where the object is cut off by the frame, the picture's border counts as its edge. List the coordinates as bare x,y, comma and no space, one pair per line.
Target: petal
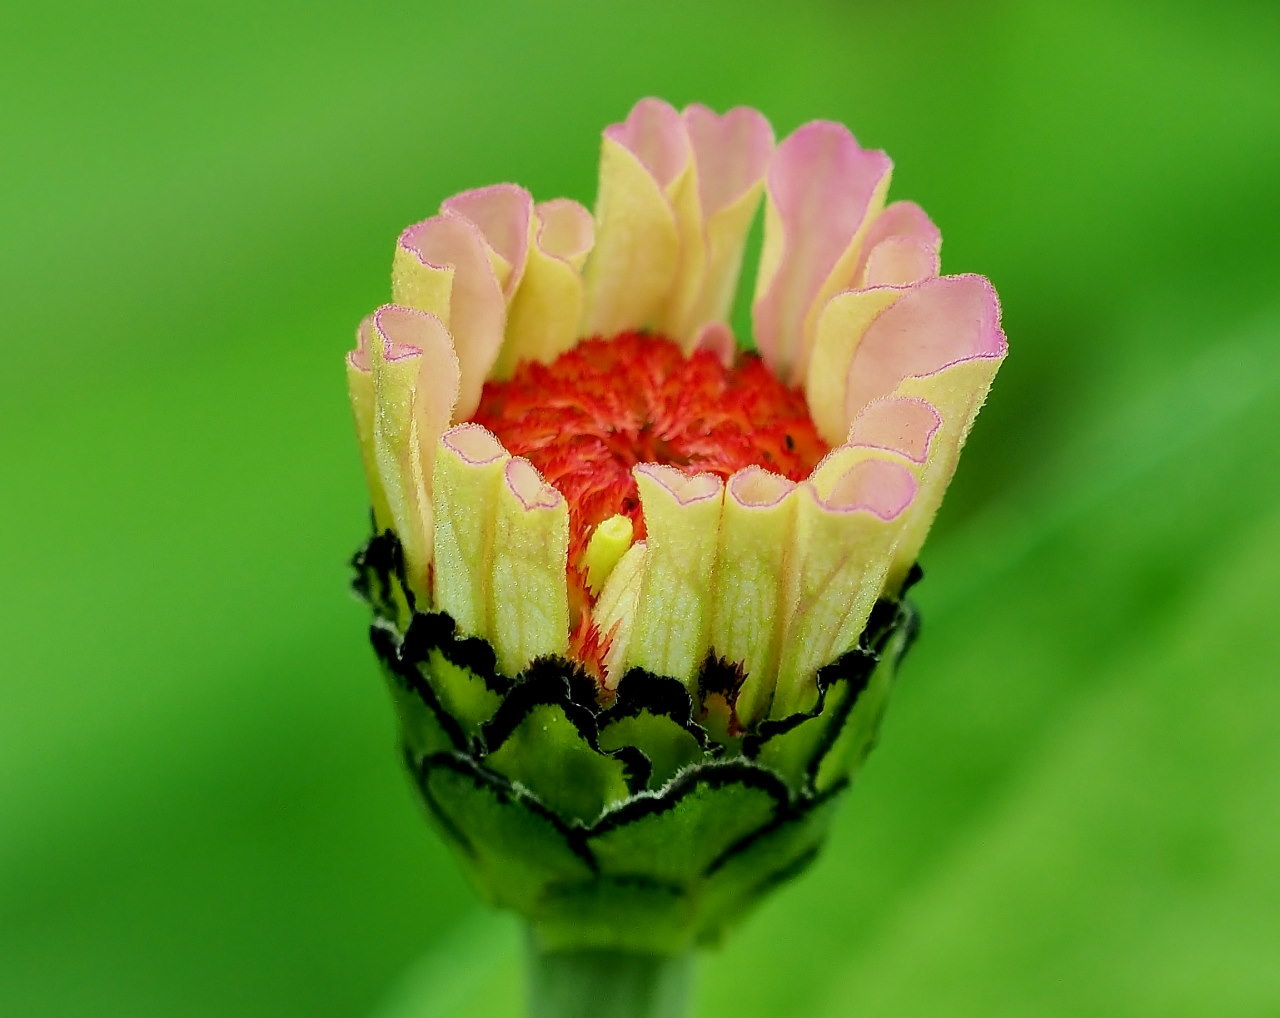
409,358
901,247
717,339
644,163
503,213
682,516
841,327
846,528
905,425
937,324
610,540
567,230
545,316
747,609
442,266
470,468
823,193
730,156
364,410
530,593
614,613
941,343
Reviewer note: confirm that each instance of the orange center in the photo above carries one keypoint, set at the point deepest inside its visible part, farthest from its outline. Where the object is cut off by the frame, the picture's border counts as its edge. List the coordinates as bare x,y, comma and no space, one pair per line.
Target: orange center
602,407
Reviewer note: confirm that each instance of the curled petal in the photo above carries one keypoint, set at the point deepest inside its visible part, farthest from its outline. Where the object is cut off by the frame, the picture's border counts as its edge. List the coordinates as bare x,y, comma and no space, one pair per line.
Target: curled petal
847,524
901,247
822,195
682,516
364,409
937,325
615,610
941,343
566,230
403,378
902,424
442,266
546,312
644,163
843,322
747,601
503,213
470,468
730,155
530,594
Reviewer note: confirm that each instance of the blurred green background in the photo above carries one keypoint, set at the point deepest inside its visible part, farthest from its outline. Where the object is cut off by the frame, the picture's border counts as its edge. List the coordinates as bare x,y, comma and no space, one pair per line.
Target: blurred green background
1074,807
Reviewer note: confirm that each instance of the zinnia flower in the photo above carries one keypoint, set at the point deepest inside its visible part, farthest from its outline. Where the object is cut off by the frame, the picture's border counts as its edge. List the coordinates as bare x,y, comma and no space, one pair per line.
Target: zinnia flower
638,592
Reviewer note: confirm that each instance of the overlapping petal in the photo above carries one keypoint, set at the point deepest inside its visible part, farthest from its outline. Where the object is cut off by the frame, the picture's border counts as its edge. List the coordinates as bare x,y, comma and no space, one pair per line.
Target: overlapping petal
546,310
677,195
665,608
403,379
824,191
773,577
442,266
645,165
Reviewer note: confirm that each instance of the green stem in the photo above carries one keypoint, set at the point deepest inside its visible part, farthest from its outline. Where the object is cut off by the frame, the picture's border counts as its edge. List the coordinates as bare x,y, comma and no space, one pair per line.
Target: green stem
607,984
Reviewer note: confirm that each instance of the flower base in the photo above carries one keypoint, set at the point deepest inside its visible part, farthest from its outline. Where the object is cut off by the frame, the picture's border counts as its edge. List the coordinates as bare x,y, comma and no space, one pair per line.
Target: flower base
644,822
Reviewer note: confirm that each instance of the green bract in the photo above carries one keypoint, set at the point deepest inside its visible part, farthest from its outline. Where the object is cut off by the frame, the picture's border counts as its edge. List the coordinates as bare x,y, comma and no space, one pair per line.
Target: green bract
639,822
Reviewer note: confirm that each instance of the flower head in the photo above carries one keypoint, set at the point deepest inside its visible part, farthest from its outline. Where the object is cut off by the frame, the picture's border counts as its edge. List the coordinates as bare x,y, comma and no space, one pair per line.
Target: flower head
590,487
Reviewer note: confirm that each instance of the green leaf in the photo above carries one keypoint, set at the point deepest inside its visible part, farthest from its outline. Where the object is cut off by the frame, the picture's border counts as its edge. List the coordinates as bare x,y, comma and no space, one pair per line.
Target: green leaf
857,737
669,746
739,879
704,813
461,692
547,752
515,848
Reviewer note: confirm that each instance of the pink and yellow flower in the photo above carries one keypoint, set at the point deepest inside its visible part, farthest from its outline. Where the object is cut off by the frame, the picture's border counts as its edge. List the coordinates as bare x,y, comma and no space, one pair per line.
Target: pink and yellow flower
557,425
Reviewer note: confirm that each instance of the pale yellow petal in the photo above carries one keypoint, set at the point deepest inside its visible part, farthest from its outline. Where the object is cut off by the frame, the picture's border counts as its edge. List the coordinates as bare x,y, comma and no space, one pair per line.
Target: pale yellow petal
609,542
364,410
841,327
545,316
714,213
958,392
567,230
644,165
845,532
614,614
468,475
442,266
747,606
682,516
530,595
942,343
503,213
414,375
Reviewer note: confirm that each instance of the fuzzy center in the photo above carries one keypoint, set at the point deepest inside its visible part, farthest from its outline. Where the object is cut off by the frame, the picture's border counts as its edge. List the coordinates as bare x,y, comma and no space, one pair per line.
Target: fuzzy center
602,407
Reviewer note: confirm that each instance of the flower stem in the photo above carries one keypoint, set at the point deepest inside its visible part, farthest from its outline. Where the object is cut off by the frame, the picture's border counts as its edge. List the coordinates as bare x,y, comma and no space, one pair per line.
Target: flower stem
607,984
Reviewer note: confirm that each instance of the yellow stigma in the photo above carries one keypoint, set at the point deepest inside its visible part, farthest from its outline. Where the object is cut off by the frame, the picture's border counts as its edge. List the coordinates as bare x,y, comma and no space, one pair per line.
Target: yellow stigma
608,543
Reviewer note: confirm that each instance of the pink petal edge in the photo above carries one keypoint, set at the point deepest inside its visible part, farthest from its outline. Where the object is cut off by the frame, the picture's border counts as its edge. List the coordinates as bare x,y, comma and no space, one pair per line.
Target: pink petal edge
731,151
821,182
502,213
686,489
881,488
937,323
655,134
475,444
902,424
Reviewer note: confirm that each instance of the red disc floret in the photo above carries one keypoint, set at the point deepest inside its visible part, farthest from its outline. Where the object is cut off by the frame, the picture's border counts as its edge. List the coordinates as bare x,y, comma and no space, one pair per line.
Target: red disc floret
607,404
